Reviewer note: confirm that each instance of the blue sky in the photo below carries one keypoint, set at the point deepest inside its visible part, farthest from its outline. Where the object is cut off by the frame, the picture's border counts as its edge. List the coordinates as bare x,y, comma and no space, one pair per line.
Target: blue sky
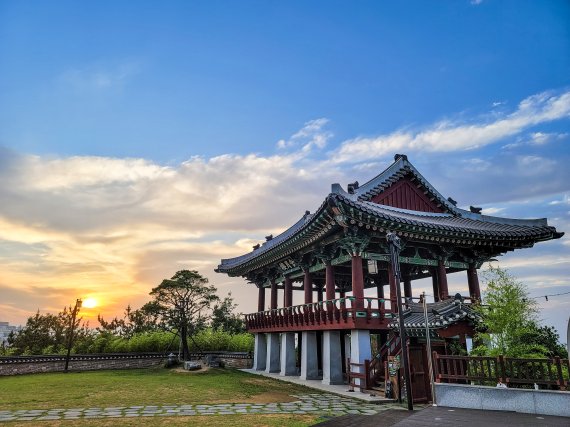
138,138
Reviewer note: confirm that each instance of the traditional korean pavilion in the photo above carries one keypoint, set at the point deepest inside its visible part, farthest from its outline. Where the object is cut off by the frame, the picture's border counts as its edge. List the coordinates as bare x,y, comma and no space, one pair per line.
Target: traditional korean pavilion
339,252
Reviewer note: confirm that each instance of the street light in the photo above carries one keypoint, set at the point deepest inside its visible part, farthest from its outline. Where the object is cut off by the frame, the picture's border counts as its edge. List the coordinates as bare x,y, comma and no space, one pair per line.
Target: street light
78,303
428,341
395,248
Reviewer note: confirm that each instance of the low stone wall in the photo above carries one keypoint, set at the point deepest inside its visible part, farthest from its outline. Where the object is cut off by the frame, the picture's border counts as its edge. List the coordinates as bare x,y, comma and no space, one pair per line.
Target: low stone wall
542,402
237,363
38,364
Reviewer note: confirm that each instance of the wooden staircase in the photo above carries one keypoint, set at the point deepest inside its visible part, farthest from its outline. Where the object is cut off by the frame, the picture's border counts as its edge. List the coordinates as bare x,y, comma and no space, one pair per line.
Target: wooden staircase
372,373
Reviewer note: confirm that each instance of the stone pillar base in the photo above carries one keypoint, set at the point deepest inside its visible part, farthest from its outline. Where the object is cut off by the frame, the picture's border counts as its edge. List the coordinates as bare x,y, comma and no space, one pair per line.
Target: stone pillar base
309,363
332,362
359,350
288,356
260,352
272,364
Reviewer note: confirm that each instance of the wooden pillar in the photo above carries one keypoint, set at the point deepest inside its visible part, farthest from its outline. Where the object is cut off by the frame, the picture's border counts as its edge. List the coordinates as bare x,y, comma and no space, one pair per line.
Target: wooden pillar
435,284
308,287
357,281
273,294
319,293
380,295
261,299
288,292
393,297
442,280
329,280
473,281
380,291
407,287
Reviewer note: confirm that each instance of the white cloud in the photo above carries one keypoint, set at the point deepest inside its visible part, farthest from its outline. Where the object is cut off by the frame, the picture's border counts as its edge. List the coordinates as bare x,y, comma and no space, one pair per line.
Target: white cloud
536,139
448,136
564,201
311,135
493,211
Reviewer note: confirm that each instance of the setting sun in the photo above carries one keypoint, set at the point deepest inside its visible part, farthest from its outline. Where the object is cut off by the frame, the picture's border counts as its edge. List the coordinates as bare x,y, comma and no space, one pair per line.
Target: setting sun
90,303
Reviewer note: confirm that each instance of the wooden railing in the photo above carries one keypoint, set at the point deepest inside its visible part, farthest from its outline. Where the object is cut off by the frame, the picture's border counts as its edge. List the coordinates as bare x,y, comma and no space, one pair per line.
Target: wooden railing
510,371
361,373
340,312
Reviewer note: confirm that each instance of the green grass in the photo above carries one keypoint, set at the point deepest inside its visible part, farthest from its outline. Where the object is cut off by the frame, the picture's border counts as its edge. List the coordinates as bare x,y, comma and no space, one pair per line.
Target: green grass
273,420
140,387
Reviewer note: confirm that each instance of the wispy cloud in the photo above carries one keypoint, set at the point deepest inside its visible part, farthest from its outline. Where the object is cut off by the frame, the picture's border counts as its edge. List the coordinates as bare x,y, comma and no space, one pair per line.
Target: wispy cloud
537,139
312,135
99,78
449,136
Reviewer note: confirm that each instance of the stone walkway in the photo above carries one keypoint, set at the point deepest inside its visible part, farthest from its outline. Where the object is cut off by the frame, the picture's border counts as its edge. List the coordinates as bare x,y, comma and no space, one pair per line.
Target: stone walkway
322,404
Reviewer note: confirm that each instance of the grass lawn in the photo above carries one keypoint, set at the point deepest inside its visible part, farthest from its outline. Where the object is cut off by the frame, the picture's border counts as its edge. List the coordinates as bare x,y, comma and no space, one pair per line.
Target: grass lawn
150,387
202,421
141,387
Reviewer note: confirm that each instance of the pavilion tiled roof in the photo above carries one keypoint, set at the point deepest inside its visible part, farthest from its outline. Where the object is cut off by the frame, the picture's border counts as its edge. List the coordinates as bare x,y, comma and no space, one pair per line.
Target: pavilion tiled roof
440,315
453,226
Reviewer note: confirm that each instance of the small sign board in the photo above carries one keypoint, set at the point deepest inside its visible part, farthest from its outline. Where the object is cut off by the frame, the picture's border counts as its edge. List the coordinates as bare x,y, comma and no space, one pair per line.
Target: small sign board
392,373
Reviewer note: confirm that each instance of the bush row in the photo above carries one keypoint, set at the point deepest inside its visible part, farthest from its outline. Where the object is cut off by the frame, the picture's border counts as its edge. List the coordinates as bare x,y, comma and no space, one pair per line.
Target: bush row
206,340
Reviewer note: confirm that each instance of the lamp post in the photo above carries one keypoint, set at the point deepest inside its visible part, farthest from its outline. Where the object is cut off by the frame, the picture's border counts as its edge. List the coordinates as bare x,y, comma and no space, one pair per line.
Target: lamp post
78,303
395,248
428,341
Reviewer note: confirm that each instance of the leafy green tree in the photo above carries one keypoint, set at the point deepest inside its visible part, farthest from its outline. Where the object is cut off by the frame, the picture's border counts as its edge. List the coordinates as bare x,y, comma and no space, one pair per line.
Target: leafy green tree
183,304
510,320
225,319
538,341
144,319
48,333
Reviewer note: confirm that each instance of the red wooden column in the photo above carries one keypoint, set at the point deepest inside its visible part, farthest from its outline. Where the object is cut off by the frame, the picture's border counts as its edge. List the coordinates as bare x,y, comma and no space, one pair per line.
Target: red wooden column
442,280
308,286
380,294
473,281
358,281
261,299
407,287
288,293
393,295
273,294
435,284
329,280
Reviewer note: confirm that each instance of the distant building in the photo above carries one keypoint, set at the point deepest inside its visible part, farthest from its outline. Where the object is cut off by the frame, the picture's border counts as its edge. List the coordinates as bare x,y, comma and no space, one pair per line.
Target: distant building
5,329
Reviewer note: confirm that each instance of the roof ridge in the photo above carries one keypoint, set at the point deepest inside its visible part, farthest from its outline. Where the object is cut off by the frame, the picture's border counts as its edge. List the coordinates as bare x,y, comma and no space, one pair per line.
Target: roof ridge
399,168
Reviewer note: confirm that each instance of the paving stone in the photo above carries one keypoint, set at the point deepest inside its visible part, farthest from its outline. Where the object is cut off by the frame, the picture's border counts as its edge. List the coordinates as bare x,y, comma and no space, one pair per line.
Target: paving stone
49,417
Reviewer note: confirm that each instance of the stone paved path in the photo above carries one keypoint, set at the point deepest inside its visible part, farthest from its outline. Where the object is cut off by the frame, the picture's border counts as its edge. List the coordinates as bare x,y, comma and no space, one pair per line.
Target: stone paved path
322,404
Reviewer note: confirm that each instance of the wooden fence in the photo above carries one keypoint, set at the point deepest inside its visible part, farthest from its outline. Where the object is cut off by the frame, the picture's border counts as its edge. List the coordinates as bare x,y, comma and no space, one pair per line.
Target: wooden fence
553,373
